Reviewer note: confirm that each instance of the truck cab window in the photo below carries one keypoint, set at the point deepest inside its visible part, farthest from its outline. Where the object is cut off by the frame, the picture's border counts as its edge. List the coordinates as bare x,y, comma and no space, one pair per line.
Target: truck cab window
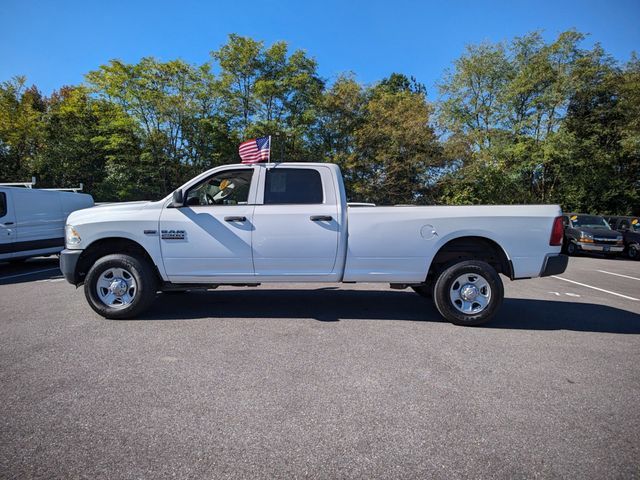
225,188
293,186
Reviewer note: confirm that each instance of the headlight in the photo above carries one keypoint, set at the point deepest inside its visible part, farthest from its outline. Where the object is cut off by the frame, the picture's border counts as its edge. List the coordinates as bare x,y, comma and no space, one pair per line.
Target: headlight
72,237
586,237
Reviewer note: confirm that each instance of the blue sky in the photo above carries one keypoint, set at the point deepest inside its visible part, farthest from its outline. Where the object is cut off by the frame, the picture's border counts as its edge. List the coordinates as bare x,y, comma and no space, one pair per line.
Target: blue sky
55,43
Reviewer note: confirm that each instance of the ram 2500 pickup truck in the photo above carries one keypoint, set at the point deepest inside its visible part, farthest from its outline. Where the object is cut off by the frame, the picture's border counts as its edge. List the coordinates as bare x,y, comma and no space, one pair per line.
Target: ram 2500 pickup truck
290,222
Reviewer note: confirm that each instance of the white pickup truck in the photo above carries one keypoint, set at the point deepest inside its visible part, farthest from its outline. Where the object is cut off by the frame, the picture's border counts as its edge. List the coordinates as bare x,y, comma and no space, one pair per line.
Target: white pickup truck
290,222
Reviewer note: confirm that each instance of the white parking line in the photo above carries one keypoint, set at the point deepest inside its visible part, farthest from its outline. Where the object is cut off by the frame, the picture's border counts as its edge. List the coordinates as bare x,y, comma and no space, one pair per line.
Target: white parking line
618,275
596,288
28,273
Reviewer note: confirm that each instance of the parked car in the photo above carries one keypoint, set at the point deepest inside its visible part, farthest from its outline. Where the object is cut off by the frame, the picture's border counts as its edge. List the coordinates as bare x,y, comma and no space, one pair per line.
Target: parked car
590,233
630,229
290,222
32,221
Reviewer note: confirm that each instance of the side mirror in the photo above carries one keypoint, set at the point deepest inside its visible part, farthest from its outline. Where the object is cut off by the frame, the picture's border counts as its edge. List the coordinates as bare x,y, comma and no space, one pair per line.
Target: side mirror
178,199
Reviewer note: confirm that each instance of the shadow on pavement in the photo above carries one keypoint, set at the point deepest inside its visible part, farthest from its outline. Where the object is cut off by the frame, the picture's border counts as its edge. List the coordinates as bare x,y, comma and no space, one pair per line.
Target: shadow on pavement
39,268
333,305
551,315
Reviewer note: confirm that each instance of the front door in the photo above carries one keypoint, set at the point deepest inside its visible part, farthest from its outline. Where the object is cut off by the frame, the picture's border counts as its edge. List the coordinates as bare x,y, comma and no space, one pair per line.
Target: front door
209,239
296,224
7,226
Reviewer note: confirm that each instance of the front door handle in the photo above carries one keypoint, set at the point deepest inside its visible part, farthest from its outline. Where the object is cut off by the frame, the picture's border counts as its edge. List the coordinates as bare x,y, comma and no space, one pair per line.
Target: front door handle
235,219
8,223
320,218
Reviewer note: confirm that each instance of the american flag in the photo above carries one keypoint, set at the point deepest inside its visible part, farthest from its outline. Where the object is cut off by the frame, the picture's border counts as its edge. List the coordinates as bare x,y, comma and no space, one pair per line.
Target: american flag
255,150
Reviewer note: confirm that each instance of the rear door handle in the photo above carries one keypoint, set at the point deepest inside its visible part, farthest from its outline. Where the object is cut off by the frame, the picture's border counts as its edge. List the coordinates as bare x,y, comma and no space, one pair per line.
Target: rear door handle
8,223
235,219
320,218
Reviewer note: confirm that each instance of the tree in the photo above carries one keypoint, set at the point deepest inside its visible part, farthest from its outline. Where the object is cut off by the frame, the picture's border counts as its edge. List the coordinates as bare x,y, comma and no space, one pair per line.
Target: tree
21,125
523,121
600,174
382,139
269,92
69,156
176,108
531,121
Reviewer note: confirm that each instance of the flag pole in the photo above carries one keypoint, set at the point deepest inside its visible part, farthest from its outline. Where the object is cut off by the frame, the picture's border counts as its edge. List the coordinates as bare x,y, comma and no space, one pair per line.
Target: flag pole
282,137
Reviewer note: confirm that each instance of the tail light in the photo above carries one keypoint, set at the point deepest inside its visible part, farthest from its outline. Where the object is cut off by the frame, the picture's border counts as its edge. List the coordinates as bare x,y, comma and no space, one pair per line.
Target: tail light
557,232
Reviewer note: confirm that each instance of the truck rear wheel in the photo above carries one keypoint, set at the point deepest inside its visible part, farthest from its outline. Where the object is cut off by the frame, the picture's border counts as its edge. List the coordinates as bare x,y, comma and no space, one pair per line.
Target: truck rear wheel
468,293
120,286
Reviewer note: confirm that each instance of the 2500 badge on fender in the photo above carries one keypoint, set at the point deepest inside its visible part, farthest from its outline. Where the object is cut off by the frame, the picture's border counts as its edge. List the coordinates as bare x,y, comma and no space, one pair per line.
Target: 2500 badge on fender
290,222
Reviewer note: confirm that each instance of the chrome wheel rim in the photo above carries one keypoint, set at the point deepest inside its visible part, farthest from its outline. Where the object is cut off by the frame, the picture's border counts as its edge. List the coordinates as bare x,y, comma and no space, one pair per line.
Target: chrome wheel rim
470,293
116,288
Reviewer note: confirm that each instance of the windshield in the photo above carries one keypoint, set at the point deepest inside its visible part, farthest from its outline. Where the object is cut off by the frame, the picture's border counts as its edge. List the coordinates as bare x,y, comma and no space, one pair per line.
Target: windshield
589,221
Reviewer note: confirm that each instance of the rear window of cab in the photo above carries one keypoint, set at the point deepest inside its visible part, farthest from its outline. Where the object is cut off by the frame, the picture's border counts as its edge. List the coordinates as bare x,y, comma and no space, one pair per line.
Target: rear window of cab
293,186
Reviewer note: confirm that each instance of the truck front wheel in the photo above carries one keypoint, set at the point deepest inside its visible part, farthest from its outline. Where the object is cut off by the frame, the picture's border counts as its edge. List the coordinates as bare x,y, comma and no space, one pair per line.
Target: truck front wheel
120,286
468,293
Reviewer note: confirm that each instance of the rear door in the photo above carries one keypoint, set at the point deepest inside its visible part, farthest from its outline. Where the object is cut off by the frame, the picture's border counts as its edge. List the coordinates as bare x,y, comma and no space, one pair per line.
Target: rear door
8,225
296,223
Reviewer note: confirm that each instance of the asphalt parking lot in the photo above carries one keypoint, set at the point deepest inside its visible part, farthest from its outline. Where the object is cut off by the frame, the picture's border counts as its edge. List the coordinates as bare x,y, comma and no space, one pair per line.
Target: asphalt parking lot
322,381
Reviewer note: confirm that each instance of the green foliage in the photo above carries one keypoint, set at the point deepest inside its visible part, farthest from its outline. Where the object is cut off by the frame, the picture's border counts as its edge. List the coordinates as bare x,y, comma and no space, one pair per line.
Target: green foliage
21,125
540,122
517,122
266,91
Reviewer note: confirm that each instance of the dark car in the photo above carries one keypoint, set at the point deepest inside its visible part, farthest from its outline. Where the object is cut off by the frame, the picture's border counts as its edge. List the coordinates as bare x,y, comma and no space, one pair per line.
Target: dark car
630,229
590,233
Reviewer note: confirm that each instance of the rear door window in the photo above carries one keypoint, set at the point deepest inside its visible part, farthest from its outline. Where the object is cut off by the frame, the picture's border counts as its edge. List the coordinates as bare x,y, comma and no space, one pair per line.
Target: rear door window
3,204
293,186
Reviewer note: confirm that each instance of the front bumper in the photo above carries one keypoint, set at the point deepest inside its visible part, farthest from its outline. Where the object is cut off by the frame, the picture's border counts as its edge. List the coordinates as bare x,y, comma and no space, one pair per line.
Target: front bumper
554,265
592,247
68,263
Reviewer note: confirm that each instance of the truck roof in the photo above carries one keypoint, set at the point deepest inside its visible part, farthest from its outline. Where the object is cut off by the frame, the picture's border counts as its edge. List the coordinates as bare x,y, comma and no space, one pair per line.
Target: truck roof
288,164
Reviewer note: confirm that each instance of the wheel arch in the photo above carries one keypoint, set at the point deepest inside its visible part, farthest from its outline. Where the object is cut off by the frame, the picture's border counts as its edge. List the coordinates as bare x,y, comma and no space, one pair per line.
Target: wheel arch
106,246
471,247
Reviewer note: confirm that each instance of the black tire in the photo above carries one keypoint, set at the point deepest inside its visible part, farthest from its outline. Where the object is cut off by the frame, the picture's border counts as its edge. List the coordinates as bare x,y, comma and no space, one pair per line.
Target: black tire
425,291
145,279
633,252
449,276
572,249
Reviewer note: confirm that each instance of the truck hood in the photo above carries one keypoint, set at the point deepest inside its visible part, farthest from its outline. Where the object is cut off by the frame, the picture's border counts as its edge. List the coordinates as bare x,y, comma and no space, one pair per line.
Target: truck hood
108,210
600,232
124,205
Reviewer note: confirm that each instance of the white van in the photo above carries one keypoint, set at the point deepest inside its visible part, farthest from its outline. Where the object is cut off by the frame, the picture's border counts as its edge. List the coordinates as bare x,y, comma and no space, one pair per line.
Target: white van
32,221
